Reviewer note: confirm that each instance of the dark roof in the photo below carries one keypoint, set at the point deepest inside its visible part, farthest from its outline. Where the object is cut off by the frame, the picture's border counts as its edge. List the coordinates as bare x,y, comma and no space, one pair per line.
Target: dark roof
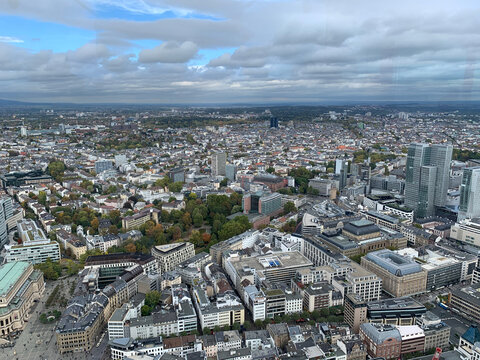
361,227
472,335
118,258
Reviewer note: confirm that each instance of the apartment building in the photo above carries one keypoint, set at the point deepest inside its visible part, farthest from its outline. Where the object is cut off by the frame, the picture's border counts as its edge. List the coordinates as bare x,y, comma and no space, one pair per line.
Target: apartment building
170,255
137,220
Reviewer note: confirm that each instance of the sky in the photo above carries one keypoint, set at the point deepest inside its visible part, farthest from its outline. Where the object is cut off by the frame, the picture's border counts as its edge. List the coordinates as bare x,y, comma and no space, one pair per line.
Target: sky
239,51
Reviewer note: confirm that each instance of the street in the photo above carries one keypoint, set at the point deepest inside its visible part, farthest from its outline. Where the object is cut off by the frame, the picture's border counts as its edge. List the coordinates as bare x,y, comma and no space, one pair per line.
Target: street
37,341
458,324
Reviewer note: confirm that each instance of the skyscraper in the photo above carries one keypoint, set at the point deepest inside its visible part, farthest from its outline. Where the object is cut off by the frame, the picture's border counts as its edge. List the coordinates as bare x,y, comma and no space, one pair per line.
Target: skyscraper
426,182
219,161
231,172
6,211
273,122
470,194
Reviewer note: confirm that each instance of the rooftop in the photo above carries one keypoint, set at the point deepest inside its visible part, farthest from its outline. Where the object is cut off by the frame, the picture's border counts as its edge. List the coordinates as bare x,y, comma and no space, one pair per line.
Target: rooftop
396,264
10,273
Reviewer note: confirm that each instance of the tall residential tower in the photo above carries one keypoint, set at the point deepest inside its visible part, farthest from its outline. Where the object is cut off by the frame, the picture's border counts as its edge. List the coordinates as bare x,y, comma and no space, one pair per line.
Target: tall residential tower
219,161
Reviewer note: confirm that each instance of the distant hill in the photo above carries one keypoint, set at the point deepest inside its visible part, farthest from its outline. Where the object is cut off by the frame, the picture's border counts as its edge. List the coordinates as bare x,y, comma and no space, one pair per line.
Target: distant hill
4,102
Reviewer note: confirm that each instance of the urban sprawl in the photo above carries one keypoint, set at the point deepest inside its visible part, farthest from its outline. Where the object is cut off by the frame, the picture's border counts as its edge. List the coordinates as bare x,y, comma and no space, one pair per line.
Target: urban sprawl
341,233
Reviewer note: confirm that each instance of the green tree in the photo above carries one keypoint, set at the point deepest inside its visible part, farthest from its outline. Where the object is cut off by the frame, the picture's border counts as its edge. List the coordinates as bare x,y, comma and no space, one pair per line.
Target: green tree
197,219
224,182
289,207
146,310
56,169
152,299
175,187
42,198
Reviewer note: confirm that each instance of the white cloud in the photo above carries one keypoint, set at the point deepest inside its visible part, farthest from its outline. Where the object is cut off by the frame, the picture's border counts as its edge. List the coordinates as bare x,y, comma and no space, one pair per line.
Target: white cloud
9,39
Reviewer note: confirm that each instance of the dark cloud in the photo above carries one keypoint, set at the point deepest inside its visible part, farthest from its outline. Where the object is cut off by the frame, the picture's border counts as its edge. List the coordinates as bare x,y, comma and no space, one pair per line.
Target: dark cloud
169,52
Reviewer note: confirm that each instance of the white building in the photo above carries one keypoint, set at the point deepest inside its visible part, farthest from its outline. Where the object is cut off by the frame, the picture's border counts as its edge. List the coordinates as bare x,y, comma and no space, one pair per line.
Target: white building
467,231
170,255
35,247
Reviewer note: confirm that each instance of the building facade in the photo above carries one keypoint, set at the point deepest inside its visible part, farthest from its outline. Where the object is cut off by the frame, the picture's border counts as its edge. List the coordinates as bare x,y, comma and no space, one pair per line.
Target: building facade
20,286
170,255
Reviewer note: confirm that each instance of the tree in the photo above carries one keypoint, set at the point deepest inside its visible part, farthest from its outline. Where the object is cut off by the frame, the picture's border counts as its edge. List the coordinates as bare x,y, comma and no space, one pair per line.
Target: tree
56,170
175,232
289,207
94,224
112,229
42,198
196,239
146,310
186,220
197,219
175,187
270,170
206,238
154,231
224,182
236,209
152,299
131,248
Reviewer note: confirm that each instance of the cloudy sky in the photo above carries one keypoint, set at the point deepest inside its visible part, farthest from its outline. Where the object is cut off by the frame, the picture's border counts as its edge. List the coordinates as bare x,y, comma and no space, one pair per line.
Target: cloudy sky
239,51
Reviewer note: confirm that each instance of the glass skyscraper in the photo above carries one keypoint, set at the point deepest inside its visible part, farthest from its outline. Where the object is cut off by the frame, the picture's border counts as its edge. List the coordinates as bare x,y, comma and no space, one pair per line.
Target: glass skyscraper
426,182
470,194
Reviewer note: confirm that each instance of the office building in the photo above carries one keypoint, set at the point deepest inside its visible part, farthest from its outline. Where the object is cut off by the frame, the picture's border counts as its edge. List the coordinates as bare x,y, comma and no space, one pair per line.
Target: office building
218,165
120,160
273,182
35,247
401,276
170,255
119,321
225,311
340,165
427,177
469,207
231,172
398,311
20,286
324,186
274,122
122,261
437,333
103,165
467,231
358,281
270,204
33,177
6,213
177,174
466,300
241,241
319,296
276,268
